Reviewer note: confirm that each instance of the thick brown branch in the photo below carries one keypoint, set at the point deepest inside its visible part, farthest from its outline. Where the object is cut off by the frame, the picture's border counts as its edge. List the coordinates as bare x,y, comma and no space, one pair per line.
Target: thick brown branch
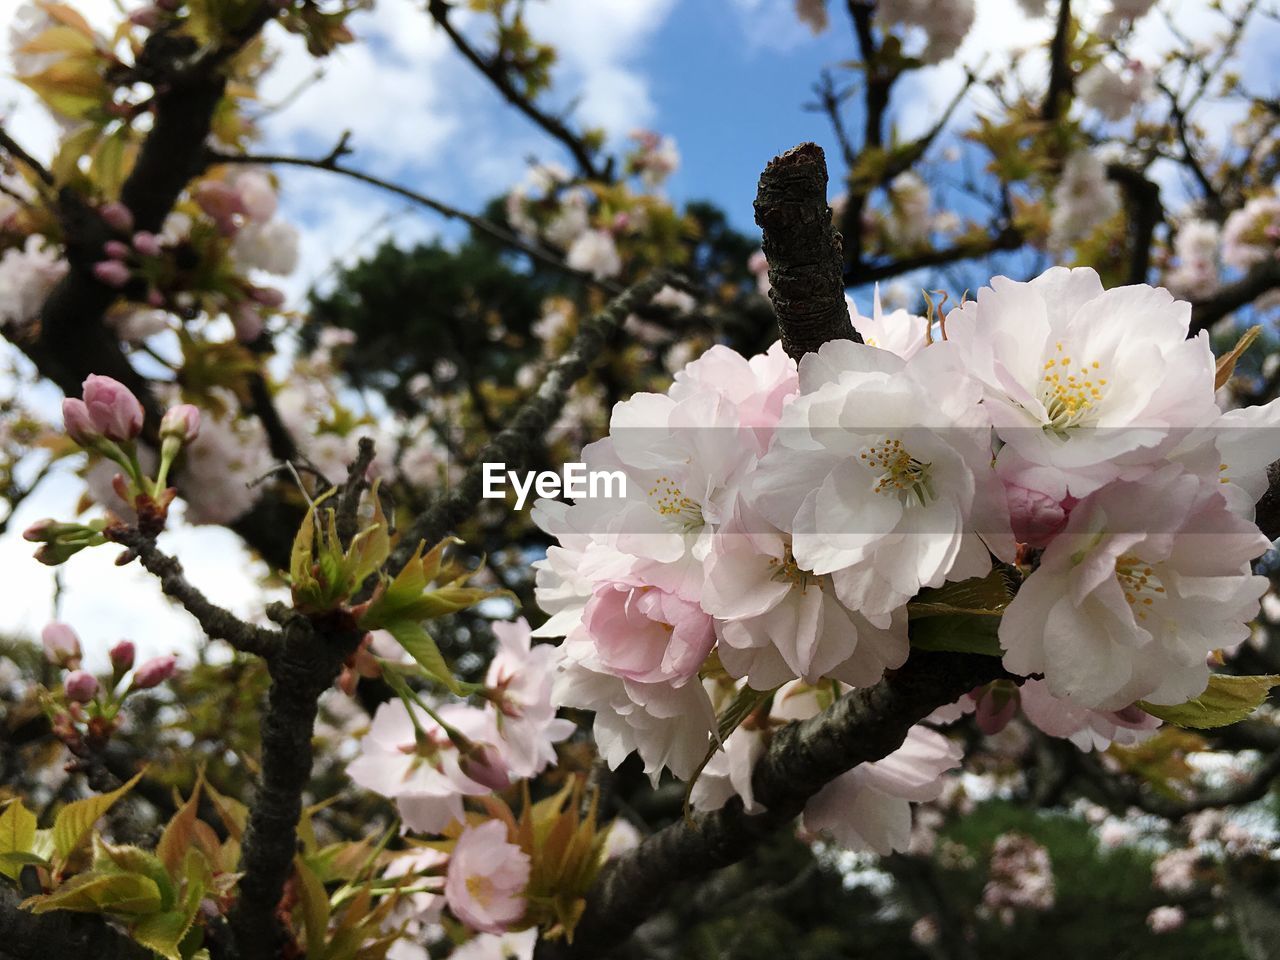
29,936
803,250
1261,279
861,727
305,665
1142,198
1058,94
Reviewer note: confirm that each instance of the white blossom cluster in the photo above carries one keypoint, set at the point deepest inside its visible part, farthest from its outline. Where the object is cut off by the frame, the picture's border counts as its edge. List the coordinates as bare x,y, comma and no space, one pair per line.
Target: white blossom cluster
778,521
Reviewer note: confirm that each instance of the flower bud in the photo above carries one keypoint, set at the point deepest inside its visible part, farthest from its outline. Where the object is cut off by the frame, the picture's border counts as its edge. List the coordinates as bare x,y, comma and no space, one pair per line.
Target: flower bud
117,216
268,297
181,422
154,672
111,272
42,531
146,17
61,645
122,655
484,764
116,250
114,410
78,423
80,686
147,244
247,321
996,707
221,203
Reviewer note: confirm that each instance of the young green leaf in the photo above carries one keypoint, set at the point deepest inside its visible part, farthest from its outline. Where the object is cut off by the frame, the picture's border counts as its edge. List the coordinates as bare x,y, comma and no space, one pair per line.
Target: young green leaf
1227,700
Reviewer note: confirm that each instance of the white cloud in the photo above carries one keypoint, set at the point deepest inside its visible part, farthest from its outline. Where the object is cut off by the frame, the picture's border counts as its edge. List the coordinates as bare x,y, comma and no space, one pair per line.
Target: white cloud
598,42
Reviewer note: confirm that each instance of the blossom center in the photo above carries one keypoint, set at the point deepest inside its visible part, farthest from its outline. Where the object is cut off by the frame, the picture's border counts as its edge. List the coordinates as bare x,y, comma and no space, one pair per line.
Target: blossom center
1069,390
786,570
1140,583
670,502
481,888
898,474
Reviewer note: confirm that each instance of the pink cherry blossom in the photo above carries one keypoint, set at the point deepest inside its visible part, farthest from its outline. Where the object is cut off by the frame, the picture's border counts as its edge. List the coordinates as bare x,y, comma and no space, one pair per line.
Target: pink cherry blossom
486,878
647,635
61,645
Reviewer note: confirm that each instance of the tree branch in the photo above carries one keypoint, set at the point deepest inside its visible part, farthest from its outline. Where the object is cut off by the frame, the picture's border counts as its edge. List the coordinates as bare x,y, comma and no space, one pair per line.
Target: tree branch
497,74
11,147
1142,197
1009,238
861,727
488,228
30,936
1059,90
803,249
217,622
1261,279
305,664
514,445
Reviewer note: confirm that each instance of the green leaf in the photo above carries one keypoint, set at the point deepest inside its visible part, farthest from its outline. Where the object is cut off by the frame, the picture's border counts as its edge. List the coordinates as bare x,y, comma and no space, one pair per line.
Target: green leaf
1227,699
418,644
128,859
957,633
980,596
92,892
179,833
11,864
75,820
163,932
17,836
315,909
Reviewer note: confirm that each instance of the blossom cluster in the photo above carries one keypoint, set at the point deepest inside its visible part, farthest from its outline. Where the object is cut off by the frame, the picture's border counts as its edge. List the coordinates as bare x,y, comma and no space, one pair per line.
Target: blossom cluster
429,759
780,521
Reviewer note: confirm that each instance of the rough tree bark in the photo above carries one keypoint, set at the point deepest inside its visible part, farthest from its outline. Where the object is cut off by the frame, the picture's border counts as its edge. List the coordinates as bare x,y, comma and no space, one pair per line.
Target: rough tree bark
806,265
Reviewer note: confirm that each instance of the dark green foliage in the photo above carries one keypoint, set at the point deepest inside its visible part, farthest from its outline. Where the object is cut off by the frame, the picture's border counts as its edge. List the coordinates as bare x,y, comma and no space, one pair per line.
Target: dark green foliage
411,308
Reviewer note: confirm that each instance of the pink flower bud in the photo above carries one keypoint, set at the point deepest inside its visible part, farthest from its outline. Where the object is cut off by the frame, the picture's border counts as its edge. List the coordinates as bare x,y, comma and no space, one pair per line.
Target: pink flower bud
484,764
114,410
61,645
247,321
122,655
146,244
182,421
155,298
117,216
116,250
78,423
146,17
41,531
268,297
80,686
996,708
111,272
154,672
221,203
